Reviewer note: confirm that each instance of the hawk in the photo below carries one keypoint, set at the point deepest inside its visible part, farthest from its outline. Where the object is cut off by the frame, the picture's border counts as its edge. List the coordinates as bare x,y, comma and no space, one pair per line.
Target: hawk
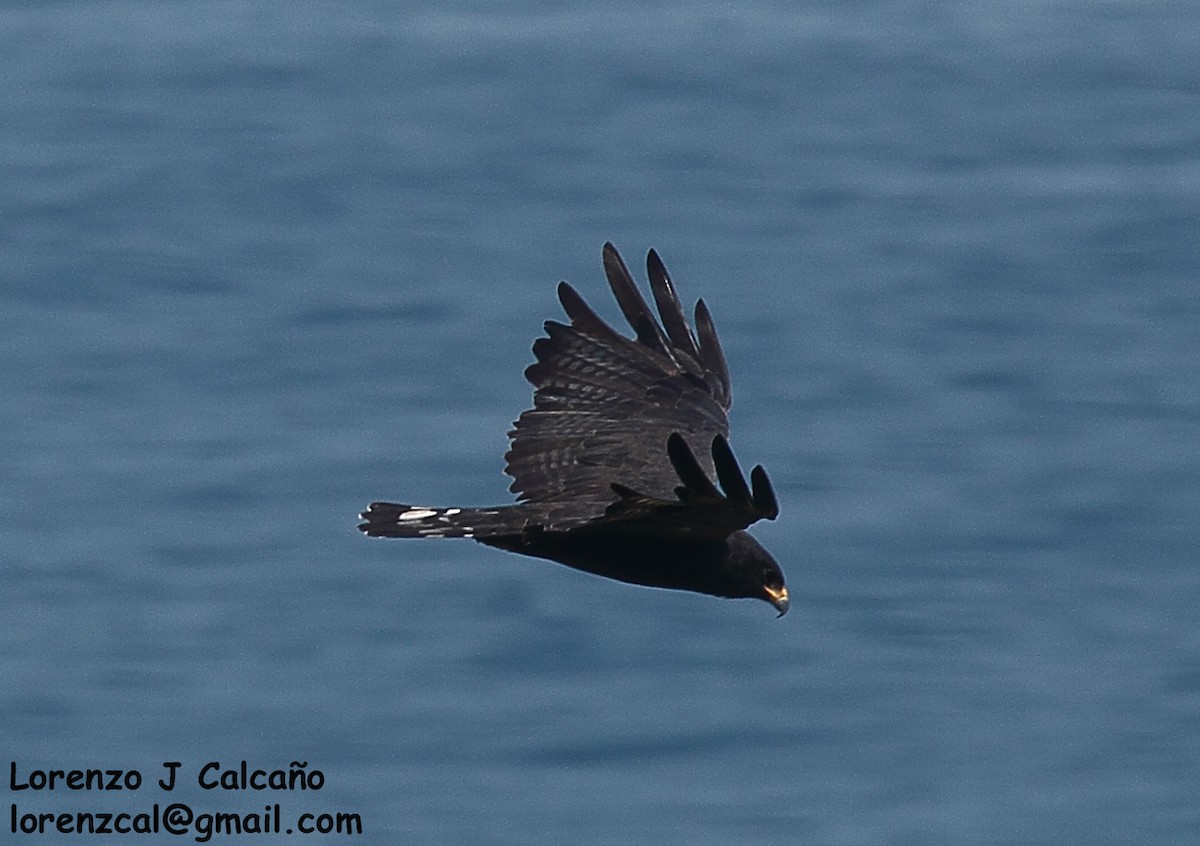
614,465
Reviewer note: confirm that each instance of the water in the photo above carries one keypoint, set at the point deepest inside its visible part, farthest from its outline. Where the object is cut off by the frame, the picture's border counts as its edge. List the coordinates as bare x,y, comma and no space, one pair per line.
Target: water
263,263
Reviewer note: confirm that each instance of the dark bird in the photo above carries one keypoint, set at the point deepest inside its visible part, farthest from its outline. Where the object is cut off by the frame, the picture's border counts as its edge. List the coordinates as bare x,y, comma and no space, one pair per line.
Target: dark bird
602,465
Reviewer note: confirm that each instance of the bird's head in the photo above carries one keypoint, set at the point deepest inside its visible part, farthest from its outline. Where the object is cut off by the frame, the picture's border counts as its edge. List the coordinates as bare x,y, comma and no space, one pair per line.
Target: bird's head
755,572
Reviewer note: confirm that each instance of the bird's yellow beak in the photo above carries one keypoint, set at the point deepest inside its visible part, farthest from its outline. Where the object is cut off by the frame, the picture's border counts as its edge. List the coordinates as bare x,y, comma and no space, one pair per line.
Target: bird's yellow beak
779,598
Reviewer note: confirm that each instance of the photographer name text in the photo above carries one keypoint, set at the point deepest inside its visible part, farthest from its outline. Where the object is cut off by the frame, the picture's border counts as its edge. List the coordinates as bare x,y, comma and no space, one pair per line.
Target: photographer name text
211,776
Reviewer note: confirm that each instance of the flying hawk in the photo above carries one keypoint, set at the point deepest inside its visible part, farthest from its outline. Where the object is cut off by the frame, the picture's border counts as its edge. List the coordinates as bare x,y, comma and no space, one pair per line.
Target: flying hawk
603,465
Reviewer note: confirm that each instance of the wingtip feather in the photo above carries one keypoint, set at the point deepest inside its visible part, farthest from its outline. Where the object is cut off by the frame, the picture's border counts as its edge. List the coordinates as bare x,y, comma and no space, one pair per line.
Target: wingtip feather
729,474
764,493
711,354
688,468
669,307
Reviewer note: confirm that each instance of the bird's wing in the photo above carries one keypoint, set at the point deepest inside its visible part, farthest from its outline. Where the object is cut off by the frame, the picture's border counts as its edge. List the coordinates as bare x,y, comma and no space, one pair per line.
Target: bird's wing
605,406
699,509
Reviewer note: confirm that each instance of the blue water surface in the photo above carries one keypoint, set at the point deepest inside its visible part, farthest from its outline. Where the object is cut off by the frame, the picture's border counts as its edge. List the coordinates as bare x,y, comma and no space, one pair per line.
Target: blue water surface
264,262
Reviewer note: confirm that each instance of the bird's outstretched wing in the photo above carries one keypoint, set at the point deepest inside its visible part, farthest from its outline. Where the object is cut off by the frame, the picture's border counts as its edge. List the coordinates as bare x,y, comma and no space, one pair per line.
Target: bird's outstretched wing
605,406
699,509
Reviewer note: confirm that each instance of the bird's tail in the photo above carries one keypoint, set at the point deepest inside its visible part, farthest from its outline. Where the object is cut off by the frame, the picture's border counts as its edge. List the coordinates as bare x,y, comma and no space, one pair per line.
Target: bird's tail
392,520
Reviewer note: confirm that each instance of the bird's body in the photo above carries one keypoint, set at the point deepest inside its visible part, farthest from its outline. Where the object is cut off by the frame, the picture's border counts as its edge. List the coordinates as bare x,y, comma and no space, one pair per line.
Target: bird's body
607,481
